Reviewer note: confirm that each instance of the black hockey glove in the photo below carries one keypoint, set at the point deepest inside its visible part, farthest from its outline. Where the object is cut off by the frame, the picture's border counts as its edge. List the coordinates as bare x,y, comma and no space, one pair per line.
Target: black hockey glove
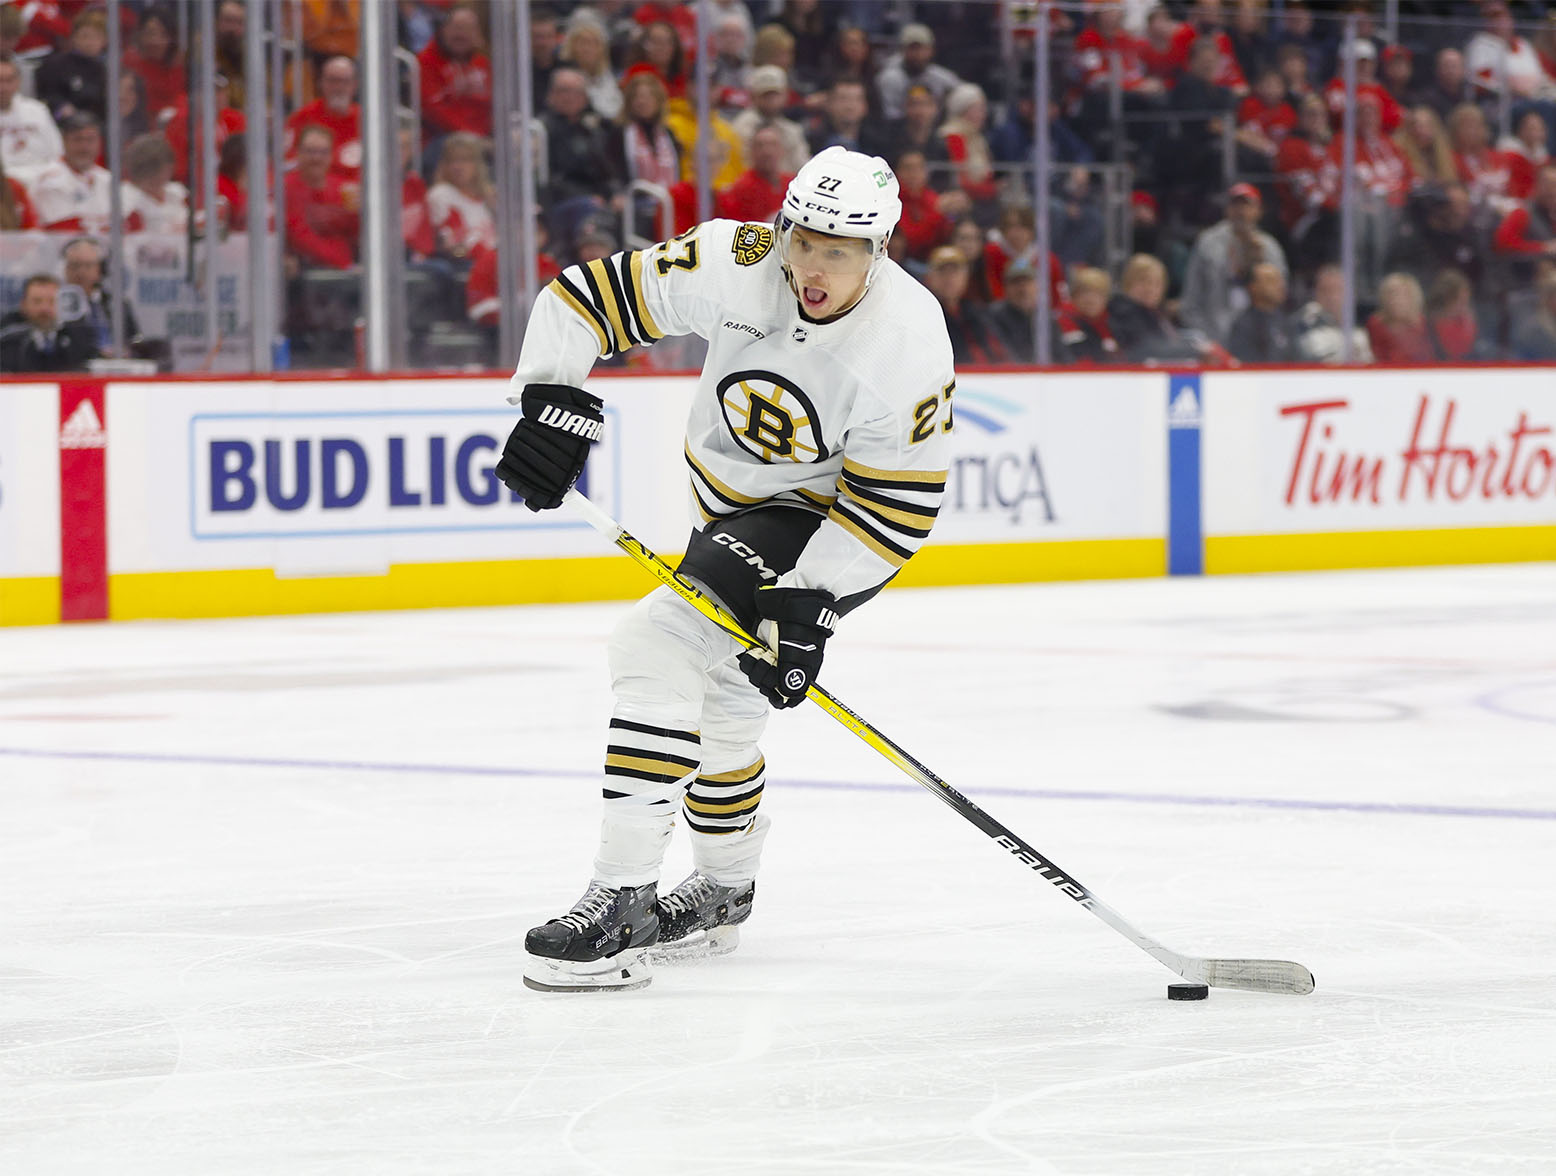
803,619
546,451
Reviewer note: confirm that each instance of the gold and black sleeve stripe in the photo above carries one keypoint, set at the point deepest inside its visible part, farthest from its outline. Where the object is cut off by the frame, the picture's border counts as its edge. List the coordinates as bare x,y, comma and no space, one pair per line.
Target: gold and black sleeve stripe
608,295
890,511
600,277
631,270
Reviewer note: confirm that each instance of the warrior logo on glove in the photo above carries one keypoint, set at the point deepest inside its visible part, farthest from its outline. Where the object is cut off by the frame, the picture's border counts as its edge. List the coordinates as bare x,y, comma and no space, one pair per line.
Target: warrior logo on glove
546,451
572,422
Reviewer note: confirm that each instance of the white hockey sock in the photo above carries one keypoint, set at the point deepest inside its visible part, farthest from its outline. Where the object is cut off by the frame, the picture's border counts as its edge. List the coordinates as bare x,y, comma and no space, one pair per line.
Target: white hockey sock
632,848
731,858
647,768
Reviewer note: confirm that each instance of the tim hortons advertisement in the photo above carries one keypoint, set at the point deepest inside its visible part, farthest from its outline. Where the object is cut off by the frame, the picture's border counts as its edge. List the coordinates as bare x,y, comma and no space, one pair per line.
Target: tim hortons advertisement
1384,450
30,440
348,477
1041,456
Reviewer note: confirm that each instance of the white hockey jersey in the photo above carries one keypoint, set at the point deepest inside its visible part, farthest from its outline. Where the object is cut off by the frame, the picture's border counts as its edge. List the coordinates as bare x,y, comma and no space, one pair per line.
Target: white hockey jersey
70,200
29,140
850,417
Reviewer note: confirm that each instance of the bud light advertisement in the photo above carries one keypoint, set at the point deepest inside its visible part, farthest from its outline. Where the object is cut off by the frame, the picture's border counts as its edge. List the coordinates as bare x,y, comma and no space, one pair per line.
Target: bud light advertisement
276,475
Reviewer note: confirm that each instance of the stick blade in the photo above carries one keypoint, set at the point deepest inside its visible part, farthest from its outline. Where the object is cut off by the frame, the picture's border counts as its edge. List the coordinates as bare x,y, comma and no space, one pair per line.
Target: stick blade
1280,976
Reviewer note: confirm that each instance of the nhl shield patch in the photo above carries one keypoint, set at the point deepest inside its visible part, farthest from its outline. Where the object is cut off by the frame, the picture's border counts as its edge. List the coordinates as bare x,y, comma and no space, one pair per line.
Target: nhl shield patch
752,243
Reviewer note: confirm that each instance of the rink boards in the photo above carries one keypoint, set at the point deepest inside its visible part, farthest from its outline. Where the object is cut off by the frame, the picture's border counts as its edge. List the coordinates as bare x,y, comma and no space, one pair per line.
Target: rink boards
231,497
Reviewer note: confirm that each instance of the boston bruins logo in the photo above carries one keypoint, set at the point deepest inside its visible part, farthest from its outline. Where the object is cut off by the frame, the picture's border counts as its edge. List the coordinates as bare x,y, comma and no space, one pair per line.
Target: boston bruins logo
770,418
752,243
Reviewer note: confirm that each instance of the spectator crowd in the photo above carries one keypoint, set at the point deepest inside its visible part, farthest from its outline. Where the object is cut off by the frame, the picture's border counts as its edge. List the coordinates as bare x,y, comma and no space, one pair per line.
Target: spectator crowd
1197,164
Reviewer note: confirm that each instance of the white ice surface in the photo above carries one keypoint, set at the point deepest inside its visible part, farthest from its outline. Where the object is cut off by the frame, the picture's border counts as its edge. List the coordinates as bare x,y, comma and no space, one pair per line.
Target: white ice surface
264,883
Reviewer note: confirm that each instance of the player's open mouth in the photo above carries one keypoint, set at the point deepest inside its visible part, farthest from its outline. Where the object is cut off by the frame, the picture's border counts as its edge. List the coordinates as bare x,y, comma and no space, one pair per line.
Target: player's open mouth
813,297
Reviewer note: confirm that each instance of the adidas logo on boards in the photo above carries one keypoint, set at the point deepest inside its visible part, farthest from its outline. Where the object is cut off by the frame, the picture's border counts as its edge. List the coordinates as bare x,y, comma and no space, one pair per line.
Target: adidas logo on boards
1184,410
83,429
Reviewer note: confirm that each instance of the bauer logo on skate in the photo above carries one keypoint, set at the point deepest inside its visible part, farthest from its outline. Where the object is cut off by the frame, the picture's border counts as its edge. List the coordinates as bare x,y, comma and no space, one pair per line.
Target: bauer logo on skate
301,474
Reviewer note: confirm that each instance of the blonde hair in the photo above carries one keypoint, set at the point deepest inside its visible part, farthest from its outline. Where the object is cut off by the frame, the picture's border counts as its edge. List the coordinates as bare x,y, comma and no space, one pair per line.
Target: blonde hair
1440,166
1089,279
463,143
773,45
1138,267
584,23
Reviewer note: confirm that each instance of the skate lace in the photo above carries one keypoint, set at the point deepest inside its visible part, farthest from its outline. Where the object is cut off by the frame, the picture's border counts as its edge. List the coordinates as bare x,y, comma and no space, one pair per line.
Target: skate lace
690,894
589,909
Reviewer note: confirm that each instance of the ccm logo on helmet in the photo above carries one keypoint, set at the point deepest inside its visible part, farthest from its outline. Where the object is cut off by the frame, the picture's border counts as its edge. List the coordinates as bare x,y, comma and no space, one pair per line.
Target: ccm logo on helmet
813,206
571,422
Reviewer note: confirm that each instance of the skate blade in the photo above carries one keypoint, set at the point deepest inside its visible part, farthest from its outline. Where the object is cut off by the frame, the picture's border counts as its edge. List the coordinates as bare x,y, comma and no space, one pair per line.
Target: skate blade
701,945
620,973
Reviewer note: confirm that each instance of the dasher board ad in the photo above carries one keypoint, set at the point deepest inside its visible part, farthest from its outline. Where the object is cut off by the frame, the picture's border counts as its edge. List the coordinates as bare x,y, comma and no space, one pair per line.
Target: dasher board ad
1039,456
1289,452
351,476
31,436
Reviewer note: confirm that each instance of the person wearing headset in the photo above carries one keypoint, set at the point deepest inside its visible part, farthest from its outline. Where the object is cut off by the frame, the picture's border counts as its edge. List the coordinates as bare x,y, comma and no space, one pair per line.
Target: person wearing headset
86,268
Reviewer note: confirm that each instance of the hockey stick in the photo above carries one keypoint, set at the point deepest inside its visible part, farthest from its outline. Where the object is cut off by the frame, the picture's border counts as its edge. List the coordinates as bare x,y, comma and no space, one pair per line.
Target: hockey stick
1253,975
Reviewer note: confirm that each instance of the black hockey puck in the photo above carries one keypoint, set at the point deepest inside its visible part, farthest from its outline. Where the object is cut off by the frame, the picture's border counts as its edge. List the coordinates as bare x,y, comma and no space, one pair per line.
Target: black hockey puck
1188,991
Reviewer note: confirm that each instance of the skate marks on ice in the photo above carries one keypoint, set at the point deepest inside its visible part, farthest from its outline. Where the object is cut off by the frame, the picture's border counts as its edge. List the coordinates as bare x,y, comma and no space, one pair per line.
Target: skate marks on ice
282,930
71,1048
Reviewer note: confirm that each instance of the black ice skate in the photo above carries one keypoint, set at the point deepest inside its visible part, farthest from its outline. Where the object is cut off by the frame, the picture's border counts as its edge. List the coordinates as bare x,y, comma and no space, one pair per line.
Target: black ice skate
702,917
600,945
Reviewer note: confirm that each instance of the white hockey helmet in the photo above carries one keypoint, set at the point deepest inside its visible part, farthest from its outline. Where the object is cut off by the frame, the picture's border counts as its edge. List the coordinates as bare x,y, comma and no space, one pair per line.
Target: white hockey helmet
844,193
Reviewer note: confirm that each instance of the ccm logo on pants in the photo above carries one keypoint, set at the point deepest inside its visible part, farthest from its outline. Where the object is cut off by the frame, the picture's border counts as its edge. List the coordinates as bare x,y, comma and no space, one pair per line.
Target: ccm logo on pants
745,552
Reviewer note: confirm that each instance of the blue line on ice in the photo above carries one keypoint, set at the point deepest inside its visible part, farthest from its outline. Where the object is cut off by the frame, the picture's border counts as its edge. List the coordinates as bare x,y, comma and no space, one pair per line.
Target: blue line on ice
1265,802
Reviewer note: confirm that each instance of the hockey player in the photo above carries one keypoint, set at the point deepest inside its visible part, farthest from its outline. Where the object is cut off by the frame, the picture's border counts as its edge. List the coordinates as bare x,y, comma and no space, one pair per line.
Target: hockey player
816,448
